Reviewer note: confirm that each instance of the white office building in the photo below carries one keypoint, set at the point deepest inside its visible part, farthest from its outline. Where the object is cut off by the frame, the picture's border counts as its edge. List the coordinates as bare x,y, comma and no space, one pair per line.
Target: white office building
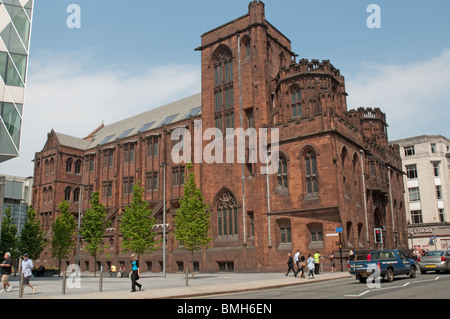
426,164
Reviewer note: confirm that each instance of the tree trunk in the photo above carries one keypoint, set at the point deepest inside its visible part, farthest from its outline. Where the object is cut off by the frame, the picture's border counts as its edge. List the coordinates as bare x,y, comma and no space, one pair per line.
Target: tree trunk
192,264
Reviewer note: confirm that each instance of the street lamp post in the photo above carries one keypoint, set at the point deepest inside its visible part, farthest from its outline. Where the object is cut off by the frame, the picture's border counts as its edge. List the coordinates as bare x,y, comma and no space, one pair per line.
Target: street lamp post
79,225
163,164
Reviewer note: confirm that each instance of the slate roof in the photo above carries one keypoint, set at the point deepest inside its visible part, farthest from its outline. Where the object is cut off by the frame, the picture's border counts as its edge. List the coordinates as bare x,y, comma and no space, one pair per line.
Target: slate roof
147,121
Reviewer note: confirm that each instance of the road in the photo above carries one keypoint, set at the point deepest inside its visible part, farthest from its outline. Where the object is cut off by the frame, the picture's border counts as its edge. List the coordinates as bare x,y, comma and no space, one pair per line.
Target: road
429,286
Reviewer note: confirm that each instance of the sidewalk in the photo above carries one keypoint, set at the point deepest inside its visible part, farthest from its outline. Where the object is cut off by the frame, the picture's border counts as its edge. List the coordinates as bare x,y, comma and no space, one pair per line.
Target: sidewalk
155,286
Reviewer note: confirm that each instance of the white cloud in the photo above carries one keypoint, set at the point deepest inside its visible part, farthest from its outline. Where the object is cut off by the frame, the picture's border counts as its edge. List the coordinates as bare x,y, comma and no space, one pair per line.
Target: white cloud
73,94
414,96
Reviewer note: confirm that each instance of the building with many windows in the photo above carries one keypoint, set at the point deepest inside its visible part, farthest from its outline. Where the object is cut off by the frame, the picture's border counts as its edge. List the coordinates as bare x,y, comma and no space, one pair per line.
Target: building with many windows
426,163
15,193
337,179
15,28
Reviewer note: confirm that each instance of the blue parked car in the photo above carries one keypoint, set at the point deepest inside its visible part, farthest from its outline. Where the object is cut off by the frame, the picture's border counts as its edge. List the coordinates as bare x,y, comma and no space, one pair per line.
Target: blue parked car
387,264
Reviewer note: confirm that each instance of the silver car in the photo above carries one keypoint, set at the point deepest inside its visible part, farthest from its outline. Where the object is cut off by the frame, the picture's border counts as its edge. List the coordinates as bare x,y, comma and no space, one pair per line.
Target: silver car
438,260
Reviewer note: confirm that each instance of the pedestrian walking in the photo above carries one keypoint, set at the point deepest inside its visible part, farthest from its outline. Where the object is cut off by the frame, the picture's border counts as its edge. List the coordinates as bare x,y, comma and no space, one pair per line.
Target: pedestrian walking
27,266
317,262
333,262
6,272
135,275
297,262
311,266
290,264
302,265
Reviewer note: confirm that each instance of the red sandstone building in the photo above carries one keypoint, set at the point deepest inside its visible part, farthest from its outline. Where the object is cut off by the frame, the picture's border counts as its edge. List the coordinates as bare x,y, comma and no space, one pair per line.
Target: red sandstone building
336,169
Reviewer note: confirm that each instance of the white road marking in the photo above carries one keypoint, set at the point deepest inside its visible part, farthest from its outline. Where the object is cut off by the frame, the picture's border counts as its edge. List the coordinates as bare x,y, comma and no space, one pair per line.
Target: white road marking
379,289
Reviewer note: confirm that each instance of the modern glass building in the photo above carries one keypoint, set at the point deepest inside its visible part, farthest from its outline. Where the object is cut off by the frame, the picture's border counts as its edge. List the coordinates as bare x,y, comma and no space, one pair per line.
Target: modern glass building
15,27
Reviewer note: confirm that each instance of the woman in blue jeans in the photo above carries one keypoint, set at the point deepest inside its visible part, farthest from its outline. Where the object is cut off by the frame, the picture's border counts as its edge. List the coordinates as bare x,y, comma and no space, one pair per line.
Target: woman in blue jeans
135,273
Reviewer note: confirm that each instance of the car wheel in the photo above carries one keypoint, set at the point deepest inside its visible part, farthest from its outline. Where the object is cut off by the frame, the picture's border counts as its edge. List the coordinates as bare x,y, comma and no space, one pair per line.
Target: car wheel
423,272
363,280
390,275
413,273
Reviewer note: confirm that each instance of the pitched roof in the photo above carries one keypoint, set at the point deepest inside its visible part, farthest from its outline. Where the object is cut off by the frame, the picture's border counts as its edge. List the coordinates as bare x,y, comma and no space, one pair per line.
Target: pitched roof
166,114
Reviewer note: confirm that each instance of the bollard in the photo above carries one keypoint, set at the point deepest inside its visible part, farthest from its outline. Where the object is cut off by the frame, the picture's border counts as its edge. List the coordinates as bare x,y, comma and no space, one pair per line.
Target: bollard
100,288
64,283
21,285
186,277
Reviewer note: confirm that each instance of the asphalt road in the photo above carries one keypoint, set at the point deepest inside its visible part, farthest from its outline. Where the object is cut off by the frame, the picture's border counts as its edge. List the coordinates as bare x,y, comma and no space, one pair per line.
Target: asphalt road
428,286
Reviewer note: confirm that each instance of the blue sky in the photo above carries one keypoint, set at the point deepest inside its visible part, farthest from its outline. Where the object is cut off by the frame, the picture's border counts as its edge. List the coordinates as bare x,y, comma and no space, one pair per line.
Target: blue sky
131,56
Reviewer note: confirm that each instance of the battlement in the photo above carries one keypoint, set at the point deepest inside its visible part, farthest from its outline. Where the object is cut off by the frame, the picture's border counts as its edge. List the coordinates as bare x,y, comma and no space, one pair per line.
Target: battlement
256,3
367,114
372,113
306,66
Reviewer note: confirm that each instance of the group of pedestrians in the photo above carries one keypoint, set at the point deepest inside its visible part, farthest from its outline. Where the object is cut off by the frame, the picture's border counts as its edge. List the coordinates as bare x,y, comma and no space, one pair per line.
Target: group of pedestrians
6,270
312,263
27,266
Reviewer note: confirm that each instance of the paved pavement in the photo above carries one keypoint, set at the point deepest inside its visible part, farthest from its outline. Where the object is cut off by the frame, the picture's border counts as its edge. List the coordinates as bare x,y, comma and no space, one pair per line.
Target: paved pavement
155,286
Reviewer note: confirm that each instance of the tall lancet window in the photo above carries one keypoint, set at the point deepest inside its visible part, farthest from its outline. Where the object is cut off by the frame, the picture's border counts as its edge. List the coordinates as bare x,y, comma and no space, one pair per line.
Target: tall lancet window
227,219
223,90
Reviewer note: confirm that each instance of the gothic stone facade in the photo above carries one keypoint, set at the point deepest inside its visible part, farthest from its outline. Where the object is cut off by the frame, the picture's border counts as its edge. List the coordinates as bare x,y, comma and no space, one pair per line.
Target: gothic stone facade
337,169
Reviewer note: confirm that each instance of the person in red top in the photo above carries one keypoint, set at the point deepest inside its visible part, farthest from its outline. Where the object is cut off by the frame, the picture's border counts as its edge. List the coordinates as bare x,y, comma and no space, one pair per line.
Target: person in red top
369,256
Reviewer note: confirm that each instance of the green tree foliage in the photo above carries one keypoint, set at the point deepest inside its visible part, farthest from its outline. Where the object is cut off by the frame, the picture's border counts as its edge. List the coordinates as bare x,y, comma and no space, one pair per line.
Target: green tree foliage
137,225
192,223
32,237
8,242
63,238
93,227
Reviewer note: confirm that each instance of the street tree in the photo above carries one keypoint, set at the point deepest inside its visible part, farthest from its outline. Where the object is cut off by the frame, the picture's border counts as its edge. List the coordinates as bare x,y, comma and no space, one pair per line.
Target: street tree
93,228
63,238
32,237
137,226
192,222
8,241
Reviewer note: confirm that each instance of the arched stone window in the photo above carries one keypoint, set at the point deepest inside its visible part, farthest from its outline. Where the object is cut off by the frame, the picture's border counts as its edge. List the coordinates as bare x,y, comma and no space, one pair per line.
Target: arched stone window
316,233
52,165
69,165
296,98
227,220
246,48
50,194
312,186
223,89
45,195
78,167
67,193
283,172
76,195
284,225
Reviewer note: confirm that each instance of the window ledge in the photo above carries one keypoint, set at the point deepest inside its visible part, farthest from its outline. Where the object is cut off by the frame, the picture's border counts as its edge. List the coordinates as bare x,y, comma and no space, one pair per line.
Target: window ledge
311,197
285,246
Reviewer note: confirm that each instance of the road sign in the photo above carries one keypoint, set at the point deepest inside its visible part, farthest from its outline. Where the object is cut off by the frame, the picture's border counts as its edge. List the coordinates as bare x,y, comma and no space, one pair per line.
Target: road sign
331,235
339,230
